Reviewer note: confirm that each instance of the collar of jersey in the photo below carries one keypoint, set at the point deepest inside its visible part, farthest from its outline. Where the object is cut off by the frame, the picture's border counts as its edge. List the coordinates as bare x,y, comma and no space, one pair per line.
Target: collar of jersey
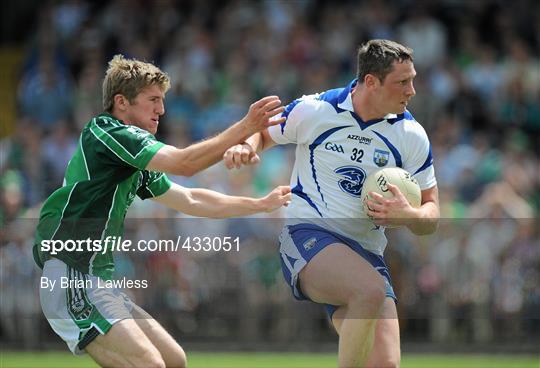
345,103
110,116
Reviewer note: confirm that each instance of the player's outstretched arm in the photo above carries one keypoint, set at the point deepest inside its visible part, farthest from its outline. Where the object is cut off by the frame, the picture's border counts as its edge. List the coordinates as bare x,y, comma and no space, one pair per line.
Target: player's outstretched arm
246,153
207,203
190,160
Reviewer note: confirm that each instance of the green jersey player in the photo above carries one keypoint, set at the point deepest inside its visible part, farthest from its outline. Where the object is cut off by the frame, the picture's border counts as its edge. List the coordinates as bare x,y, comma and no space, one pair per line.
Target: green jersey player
117,159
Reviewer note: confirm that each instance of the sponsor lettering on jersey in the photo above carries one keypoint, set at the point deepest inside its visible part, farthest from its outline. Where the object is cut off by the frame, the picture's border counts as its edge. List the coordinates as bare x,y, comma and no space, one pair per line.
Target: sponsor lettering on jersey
380,157
329,146
361,140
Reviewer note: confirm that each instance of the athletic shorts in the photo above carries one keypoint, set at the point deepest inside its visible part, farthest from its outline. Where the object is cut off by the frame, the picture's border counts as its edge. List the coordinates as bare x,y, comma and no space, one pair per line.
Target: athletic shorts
301,242
78,307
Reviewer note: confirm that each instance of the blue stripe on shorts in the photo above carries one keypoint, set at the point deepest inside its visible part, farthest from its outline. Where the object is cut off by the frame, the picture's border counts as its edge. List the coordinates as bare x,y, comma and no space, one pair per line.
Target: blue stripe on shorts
301,242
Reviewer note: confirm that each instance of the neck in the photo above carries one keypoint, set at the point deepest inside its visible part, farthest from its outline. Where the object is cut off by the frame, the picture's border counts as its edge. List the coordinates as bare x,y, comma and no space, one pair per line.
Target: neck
364,105
119,115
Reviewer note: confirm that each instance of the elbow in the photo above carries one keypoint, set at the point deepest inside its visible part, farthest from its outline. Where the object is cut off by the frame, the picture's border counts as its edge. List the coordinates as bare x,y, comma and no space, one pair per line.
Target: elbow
184,163
426,227
187,173
185,170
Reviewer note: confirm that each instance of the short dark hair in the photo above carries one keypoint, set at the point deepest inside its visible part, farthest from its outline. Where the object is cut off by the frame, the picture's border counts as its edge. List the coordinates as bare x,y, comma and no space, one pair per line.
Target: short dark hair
377,56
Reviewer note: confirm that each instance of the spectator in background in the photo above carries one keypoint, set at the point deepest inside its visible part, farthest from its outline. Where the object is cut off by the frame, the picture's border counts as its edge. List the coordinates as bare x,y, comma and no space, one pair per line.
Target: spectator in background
45,93
56,151
426,36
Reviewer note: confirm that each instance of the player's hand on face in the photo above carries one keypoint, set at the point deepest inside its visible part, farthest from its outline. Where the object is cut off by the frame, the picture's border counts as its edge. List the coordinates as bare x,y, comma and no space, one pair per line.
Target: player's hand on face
240,154
280,196
389,211
261,112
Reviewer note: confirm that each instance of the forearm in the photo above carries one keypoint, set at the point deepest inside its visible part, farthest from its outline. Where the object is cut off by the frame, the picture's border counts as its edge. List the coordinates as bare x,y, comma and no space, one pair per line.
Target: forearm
206,153
260,141
190,160
425,220
259,117
255,141
207,203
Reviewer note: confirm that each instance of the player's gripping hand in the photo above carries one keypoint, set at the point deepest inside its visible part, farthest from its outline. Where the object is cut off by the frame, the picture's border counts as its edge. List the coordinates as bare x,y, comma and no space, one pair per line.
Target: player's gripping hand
260,113
395,211
241,154
280,196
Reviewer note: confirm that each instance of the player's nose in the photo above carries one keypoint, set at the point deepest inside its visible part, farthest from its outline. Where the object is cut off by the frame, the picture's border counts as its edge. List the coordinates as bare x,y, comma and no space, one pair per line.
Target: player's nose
410,92
160,108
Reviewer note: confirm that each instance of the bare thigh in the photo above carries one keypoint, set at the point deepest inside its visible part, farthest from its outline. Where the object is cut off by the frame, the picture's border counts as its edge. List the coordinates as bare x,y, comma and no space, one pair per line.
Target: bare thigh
124,345
171,352
337,275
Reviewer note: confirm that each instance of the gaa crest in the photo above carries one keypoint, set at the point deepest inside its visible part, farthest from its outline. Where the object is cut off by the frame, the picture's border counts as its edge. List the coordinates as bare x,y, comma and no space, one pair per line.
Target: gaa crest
380,157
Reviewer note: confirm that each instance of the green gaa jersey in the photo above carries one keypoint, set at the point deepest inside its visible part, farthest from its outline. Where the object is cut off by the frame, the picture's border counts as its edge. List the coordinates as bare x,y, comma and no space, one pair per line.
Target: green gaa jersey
101,181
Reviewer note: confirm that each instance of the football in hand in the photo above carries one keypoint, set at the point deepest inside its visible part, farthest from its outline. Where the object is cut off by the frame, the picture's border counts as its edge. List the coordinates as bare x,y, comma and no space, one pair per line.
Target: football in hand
378,182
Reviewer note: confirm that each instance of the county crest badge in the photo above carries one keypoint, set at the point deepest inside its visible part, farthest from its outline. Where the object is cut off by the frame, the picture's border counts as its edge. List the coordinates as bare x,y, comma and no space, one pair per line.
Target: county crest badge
381,157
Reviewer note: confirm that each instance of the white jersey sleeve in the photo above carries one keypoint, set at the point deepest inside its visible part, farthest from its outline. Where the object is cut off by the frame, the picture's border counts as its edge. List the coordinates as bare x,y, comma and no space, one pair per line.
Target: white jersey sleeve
418,159
300,121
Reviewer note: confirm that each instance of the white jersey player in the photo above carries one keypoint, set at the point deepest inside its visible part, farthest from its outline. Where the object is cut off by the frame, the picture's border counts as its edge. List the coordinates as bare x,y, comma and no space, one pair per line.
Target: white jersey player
330,252
336,150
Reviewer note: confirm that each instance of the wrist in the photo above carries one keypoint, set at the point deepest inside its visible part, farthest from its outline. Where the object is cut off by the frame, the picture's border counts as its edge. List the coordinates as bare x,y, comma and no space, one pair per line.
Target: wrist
414,213
262,205
243,130
250,145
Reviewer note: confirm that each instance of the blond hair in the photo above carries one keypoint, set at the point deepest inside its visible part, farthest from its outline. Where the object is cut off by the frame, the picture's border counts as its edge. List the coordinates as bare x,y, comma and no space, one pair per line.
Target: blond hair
129,77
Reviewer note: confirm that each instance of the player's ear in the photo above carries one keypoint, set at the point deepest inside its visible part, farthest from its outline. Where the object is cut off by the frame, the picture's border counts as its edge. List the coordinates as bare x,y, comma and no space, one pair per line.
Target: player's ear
120,101
370,80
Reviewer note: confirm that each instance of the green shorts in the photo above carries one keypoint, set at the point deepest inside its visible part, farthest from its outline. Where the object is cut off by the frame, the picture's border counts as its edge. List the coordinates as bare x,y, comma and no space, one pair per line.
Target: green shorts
78,306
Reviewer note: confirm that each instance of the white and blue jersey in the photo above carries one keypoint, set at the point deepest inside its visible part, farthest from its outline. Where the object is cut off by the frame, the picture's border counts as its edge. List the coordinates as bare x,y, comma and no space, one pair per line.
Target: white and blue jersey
336,150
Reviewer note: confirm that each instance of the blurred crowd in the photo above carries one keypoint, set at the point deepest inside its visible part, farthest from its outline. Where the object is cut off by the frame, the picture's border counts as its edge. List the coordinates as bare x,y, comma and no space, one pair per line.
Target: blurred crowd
478,97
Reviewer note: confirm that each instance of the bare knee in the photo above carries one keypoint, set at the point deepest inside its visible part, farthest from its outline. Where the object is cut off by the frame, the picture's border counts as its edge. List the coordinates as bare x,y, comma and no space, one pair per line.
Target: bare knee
368,298
149,358
179,360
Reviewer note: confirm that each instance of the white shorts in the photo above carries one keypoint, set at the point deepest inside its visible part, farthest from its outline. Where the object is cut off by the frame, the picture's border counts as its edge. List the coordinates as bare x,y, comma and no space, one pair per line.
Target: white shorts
78,306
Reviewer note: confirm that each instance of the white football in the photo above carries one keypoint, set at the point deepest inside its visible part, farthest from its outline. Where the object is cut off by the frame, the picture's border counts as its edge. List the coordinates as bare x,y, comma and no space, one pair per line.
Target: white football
407,184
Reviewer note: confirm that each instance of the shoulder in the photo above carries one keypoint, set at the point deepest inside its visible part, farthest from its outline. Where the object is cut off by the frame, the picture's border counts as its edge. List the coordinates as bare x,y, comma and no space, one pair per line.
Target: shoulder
408,126
329,99
333,97
106,121
109,125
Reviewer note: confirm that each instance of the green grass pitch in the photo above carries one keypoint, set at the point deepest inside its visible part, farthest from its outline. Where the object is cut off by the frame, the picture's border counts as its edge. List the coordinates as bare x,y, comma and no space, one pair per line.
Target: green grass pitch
280,360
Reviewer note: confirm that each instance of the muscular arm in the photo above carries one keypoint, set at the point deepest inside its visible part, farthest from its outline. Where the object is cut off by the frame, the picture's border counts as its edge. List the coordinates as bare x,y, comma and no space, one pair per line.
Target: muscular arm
207,203
188,161
427,216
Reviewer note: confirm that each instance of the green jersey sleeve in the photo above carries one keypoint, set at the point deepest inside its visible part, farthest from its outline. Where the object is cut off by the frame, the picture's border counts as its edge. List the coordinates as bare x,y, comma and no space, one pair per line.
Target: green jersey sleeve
153,184
124,144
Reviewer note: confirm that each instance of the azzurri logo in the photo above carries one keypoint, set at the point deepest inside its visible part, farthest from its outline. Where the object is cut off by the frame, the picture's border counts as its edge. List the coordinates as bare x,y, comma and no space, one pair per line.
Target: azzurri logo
352,179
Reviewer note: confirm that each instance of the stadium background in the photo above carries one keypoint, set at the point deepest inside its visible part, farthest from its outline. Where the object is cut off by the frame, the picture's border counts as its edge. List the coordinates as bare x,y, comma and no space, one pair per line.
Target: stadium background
473,286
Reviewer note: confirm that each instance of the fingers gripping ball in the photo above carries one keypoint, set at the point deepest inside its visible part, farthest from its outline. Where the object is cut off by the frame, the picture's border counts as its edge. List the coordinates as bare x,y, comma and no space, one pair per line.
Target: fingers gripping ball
377,182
